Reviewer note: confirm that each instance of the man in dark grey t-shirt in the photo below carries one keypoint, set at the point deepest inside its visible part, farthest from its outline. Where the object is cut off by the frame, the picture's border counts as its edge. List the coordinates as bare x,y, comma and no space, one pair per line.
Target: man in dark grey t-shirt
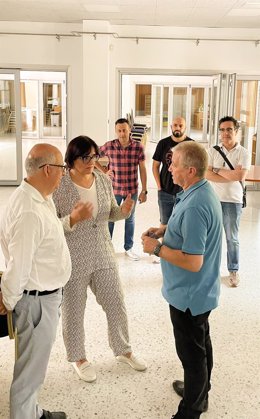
167,190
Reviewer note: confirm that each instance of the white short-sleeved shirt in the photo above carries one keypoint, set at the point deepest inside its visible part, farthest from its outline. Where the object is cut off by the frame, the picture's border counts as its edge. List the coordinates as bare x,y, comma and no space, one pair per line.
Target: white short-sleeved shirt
231,191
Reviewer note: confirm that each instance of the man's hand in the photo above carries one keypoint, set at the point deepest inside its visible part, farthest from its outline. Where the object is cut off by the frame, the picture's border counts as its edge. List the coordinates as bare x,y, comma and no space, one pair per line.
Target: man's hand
154,232
127,205
81,211
3,309
149,244
142,197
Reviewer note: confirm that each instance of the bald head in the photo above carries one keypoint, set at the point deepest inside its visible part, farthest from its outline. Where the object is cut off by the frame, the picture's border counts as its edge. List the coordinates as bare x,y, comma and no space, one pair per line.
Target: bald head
178,128
39,155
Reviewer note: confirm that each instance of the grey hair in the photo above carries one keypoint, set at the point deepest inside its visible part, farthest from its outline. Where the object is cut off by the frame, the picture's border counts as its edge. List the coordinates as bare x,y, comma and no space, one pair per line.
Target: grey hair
193,155
32,164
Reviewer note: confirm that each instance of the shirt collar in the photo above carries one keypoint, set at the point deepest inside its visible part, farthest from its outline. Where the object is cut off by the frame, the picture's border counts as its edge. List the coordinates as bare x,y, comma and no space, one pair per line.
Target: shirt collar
180,196
229,151
35,194
120,145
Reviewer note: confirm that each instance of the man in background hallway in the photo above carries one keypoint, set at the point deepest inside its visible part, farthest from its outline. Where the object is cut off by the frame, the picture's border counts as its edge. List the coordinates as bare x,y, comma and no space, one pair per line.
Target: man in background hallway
190,260
167,189
126,156
228,187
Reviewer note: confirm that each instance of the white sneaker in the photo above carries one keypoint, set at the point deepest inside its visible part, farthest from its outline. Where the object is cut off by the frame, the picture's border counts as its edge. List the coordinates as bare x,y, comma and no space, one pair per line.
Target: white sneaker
133,361
85,371
132,255
233,279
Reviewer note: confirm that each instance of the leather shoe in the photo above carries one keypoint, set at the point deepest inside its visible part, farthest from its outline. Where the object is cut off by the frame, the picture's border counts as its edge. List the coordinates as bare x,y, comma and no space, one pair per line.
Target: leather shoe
136,363
178,387
53,415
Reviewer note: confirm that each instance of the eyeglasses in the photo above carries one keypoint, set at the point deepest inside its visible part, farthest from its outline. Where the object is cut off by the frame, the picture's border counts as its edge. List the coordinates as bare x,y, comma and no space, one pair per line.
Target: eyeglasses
62,166
229,130
87,159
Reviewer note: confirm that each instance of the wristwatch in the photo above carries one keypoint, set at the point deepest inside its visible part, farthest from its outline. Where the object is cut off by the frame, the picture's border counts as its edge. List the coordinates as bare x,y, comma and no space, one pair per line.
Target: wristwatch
157,250
145,192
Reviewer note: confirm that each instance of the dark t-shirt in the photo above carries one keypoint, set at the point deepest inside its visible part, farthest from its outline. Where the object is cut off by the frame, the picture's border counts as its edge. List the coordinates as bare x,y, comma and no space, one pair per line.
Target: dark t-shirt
162,150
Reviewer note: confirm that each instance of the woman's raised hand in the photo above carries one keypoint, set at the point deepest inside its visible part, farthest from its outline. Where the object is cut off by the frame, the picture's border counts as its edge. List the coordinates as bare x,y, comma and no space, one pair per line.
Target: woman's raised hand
81,211
127,205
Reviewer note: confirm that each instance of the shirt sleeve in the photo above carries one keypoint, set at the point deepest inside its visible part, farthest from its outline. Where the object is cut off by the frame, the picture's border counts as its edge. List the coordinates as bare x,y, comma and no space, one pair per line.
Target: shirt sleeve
158,152
26,234
194,233
115,211
141,153
65,221
103,150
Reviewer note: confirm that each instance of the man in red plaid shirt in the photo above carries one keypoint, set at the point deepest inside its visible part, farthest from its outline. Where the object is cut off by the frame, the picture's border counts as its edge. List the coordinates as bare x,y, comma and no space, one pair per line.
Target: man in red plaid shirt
125,157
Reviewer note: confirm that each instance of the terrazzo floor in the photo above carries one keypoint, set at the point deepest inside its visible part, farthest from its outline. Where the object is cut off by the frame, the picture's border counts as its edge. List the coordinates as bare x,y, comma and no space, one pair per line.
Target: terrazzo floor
122,393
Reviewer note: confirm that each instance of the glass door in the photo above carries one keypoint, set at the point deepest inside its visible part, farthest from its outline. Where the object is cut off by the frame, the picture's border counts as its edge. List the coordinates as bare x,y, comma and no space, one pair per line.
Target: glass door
198,111
160,112
29,109
157,113
215,108
52,101
246,112
10,128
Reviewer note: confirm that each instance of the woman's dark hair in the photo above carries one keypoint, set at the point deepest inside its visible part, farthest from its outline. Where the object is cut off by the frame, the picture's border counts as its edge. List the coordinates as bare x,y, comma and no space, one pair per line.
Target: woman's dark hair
79,147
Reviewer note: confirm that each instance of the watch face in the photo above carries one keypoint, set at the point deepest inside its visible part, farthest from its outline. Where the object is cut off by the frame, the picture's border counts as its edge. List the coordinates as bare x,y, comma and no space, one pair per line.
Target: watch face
157,250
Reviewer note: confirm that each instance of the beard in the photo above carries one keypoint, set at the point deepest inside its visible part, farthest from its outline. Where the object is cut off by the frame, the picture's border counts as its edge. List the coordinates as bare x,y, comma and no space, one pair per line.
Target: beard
177,134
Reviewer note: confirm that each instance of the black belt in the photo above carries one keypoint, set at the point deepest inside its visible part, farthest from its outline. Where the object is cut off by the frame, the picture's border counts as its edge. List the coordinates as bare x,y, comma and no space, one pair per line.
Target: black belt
39,293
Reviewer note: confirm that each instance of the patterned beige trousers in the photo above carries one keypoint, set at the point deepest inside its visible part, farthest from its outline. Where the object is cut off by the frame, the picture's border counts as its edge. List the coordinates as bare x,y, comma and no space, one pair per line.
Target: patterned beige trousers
105,285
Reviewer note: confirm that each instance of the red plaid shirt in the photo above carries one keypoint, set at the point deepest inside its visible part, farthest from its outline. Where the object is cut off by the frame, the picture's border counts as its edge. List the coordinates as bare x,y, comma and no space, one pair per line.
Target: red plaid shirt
124,162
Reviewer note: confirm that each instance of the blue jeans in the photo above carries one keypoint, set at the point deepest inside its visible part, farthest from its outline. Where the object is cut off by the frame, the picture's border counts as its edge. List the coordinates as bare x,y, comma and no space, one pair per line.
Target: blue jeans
231,218
166,203
129,223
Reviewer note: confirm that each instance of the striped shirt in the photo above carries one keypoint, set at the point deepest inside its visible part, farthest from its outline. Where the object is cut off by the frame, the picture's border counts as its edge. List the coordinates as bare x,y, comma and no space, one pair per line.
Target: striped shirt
124,162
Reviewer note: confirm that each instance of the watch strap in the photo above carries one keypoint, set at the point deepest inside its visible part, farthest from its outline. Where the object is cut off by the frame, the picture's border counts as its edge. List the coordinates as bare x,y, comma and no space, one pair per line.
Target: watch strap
157,249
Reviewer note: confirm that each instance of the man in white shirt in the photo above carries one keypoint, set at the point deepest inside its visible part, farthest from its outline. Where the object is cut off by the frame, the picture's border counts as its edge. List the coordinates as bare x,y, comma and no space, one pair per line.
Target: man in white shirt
38,265
226,183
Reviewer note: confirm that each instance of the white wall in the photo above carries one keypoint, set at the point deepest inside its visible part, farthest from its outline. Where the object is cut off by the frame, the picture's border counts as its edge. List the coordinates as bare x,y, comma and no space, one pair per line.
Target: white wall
46,52
93,66
183,57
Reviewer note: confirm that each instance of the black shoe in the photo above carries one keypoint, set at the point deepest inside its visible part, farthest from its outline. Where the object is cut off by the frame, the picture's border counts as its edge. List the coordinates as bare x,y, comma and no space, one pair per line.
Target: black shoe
178,387
53,415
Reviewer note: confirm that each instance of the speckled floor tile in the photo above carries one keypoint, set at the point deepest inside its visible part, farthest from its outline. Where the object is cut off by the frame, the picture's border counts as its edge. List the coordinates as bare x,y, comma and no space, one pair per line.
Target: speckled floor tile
122,393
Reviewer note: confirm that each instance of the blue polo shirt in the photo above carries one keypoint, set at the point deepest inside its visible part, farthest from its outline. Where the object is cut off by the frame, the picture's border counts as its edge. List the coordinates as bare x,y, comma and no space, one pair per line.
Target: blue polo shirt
195,227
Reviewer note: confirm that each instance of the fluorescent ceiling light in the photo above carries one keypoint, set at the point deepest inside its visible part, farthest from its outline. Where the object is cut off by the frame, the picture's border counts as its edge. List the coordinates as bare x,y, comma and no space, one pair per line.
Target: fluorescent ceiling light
103,8
244,12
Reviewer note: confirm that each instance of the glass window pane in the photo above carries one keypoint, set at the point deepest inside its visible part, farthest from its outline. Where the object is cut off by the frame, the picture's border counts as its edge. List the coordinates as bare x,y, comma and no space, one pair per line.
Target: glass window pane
179,102
52,109
8,167
29,108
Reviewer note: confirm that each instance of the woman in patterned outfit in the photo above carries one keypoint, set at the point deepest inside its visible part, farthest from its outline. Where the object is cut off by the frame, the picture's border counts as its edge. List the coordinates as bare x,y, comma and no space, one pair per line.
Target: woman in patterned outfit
93,258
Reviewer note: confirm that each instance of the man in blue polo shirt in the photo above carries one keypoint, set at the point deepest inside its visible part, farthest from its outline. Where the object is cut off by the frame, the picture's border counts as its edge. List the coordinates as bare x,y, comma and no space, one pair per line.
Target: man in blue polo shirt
190,259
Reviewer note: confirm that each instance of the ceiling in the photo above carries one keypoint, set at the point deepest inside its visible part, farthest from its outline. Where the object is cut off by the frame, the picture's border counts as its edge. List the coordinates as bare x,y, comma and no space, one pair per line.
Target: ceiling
176,13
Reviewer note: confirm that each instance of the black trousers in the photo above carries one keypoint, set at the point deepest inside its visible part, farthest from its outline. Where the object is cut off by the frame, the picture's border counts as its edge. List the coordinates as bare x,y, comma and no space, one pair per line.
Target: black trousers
194,349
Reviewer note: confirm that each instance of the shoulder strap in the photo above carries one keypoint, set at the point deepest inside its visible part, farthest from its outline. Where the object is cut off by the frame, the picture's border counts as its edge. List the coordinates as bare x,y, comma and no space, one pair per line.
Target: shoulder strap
228,162
224,156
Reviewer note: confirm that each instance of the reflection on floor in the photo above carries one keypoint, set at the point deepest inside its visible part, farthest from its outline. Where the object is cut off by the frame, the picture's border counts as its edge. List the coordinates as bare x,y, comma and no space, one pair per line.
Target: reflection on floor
122,393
